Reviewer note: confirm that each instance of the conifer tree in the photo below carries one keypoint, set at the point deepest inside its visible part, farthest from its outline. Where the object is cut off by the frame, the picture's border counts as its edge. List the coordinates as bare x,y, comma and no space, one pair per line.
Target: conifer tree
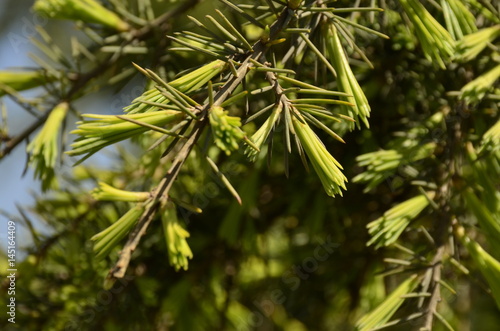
279,165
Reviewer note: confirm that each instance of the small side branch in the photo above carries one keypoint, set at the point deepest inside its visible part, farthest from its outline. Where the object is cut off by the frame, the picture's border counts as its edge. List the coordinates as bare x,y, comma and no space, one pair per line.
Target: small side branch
160,194
435,289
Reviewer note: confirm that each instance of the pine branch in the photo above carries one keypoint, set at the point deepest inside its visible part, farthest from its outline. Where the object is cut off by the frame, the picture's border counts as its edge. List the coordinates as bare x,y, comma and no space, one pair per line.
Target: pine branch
80,81
160,194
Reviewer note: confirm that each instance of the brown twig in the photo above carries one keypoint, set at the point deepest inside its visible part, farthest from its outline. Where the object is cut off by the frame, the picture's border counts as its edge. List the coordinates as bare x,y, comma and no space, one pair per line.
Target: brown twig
16,140
159,22
161,193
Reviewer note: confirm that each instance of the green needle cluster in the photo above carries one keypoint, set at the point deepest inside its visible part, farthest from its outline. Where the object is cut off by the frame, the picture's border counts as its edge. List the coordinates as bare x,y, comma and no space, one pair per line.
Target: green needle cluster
488,220
107,192
459,20
325,165
175,236
44,148
471,45
153,99
226,129
492,136
345,78
487,264
21,80
475,90
388,307
384,163
88,11
110,129
435,40
107,239
386,230
260,136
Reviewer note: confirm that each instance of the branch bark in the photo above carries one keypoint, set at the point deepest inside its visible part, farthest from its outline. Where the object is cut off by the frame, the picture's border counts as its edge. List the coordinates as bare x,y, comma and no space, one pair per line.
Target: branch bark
444,177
